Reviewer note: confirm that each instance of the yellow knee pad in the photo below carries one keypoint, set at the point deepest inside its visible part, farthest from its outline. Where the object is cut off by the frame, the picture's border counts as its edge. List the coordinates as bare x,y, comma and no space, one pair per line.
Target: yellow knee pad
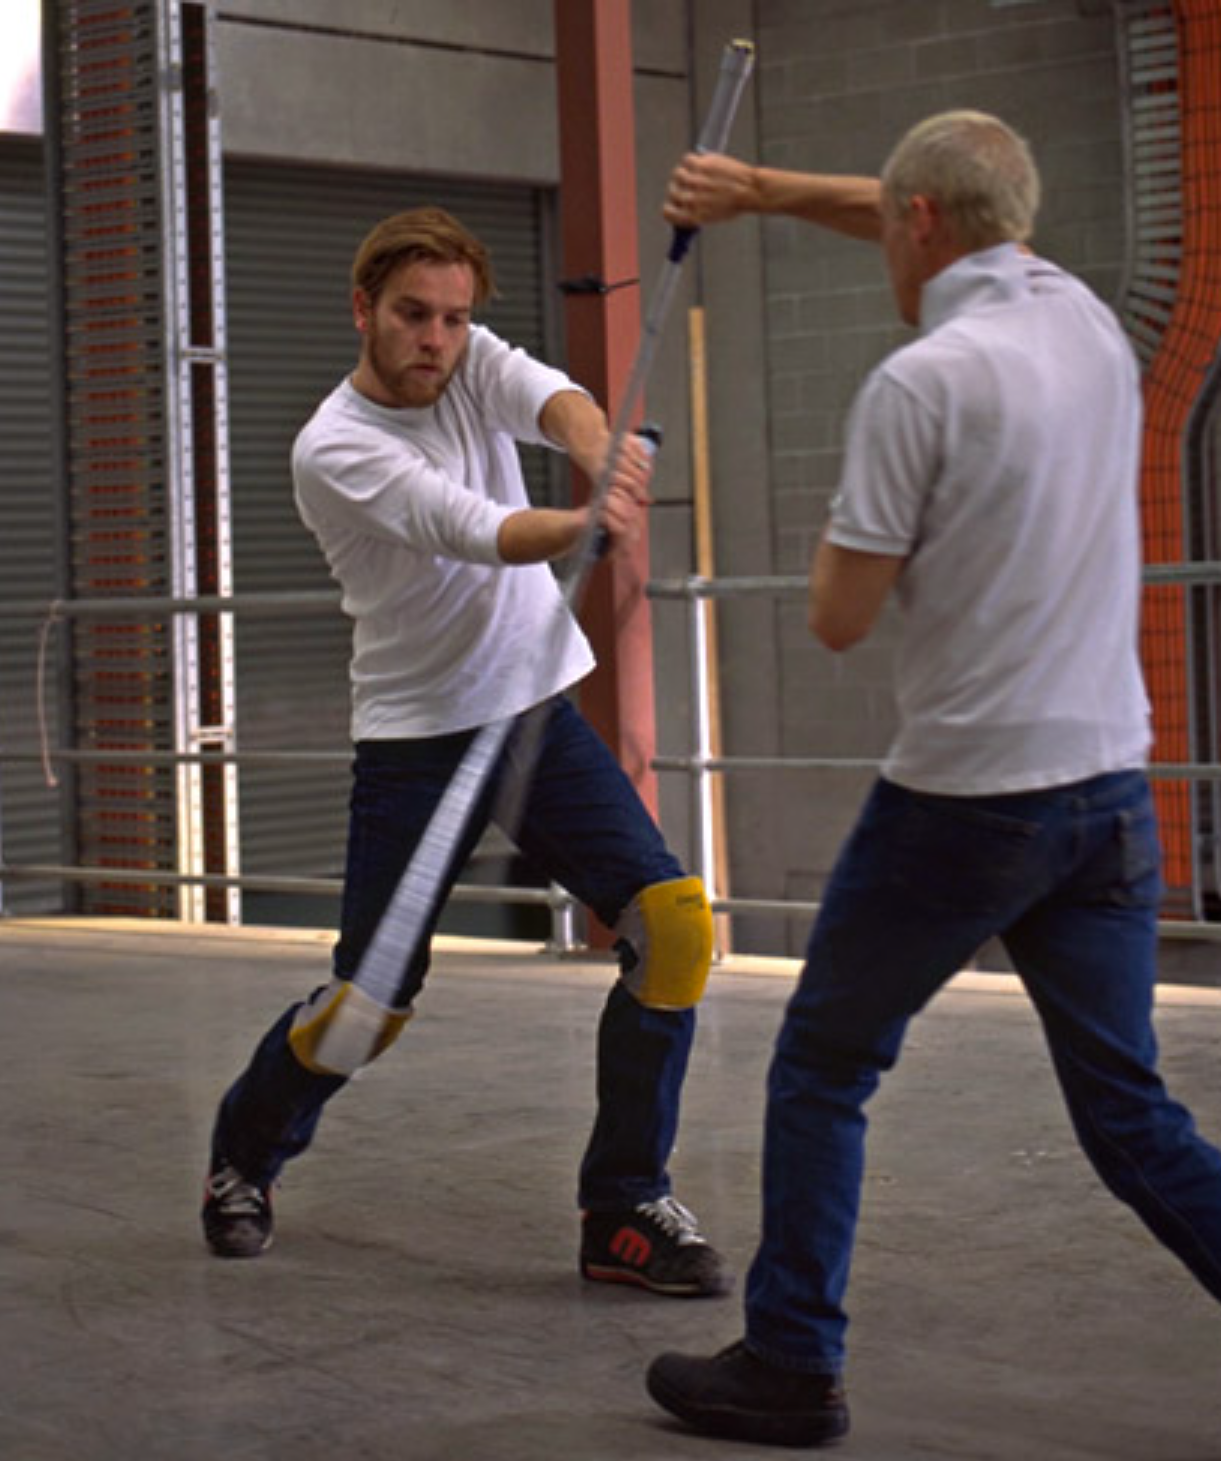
341,1028
668,930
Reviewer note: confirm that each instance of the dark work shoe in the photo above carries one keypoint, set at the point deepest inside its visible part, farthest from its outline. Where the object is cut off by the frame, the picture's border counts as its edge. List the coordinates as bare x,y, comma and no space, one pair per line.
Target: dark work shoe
738,1395
236,1215
656,1246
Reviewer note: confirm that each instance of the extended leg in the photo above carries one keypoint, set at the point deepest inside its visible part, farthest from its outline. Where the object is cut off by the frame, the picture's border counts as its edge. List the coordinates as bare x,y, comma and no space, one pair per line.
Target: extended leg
1088,957
271,1112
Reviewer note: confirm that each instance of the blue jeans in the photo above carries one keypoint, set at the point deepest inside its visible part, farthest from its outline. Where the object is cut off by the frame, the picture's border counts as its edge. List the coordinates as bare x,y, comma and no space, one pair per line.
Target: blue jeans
1069,880
583,826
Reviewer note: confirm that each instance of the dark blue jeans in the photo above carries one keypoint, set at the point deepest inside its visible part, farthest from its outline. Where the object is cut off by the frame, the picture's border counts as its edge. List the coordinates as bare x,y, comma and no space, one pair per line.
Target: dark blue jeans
1070,880
583,826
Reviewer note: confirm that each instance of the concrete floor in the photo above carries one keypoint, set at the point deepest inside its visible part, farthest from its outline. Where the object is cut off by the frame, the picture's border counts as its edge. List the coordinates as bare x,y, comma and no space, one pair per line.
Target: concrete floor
421,1301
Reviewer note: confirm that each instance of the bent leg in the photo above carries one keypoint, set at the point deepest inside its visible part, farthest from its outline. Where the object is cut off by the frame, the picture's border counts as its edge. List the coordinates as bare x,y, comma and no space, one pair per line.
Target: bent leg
585,826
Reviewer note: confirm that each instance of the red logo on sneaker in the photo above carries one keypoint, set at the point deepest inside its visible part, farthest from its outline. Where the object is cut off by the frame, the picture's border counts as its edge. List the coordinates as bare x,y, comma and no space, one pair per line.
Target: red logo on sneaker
632,1247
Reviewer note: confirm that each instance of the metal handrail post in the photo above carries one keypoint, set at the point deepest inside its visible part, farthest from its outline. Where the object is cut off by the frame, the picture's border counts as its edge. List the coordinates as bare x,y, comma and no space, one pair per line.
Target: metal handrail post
702,834
563,922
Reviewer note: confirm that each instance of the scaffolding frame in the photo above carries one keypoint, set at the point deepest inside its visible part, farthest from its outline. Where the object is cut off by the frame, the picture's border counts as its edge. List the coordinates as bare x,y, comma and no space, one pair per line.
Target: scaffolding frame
134,164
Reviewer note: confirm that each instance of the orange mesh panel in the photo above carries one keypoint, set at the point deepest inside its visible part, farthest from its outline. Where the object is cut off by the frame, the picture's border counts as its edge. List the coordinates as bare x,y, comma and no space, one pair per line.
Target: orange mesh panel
1172,385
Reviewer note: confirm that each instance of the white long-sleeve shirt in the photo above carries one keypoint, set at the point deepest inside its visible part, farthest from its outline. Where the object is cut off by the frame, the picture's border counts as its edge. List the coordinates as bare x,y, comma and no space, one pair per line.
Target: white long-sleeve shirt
406,505
999,455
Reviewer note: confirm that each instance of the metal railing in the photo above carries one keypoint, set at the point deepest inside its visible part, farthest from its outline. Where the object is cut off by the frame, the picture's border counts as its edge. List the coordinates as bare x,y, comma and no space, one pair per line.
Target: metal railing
700,764
560,903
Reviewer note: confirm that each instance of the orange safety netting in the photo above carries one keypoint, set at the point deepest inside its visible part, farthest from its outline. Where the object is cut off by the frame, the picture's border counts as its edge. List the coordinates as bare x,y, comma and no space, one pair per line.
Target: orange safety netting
1173,384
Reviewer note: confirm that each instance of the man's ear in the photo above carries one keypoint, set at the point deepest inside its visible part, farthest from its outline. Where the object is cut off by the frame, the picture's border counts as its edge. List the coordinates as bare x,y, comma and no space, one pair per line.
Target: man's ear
362,310
925,217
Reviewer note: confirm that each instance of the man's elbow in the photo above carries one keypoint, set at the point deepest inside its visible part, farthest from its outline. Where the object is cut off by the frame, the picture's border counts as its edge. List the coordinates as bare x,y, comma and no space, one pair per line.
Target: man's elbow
834,632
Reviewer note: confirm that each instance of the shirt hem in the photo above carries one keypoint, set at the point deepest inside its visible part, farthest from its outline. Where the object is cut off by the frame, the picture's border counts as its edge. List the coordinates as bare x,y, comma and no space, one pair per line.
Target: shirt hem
1013,782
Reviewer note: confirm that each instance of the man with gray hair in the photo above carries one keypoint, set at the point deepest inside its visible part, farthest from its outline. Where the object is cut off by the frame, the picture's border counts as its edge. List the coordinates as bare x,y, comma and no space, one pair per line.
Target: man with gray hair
990,479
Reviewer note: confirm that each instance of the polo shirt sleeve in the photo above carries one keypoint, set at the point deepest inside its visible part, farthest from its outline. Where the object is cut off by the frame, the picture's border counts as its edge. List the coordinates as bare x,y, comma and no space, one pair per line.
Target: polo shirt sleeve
891,460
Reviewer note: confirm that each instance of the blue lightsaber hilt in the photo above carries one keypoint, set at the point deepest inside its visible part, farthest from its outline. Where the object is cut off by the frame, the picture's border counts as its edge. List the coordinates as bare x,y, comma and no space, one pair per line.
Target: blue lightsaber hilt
737,61
651,434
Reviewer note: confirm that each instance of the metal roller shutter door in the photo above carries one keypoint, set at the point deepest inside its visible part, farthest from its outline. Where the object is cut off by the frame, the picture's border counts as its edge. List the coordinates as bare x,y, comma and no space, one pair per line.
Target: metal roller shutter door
29,810
290,235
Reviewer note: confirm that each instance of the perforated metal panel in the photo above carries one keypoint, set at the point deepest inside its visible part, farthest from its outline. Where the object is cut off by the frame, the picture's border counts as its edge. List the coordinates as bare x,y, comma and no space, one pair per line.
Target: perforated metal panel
1149,55
1171,55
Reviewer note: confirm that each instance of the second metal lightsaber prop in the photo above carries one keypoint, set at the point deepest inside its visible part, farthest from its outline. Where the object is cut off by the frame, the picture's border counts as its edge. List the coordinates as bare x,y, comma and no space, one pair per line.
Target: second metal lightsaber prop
355,1031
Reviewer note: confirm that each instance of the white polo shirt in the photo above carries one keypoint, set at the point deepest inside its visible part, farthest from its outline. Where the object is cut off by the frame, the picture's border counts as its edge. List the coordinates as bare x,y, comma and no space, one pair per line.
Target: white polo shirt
999,455
406,505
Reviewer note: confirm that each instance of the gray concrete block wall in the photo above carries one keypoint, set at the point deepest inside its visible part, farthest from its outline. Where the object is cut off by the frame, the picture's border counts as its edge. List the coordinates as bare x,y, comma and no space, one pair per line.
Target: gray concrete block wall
837,83
794,320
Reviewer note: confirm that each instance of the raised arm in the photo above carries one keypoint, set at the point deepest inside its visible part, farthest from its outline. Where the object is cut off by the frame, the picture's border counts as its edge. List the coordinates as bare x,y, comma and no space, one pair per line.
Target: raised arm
713,188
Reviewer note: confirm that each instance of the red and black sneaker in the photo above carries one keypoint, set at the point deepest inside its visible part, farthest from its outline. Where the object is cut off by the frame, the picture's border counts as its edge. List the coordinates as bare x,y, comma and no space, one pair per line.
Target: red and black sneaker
656,1246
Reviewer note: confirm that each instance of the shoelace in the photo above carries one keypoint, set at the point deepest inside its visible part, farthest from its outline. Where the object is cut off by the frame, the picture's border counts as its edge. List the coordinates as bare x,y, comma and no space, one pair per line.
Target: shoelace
674,1219
234,1195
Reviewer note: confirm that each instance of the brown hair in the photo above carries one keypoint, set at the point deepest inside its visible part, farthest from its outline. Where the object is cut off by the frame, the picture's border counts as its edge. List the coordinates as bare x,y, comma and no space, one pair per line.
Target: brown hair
428,234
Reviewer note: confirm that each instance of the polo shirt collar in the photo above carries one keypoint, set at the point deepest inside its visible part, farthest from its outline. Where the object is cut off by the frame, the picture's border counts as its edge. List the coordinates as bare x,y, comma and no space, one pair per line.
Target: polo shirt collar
991,276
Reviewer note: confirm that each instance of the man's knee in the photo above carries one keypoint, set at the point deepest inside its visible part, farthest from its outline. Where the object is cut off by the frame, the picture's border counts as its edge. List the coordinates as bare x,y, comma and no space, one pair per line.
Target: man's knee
340,1029
665,944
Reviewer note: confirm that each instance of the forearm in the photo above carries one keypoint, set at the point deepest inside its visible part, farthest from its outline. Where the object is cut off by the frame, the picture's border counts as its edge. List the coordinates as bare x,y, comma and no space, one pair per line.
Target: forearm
848,205
847,591
714,188
574,423
539,534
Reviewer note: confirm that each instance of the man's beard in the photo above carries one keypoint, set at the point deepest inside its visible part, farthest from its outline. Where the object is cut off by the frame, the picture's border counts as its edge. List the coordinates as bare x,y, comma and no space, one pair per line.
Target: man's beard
402,386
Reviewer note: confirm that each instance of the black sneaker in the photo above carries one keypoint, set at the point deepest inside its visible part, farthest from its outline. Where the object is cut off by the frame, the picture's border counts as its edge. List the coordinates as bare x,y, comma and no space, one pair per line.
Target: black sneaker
738,1395
236,1215
657,1246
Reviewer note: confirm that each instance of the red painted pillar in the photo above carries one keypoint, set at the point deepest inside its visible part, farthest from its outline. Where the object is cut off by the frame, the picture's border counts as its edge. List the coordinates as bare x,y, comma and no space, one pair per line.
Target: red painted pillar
599,234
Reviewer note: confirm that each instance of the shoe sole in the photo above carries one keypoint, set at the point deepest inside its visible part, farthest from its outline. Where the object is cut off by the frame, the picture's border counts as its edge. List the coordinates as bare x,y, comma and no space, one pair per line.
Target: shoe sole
771,1429
596,1273
221,1250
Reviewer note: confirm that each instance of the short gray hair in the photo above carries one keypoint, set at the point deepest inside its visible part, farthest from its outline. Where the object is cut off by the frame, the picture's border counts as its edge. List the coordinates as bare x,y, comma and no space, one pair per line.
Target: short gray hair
976,168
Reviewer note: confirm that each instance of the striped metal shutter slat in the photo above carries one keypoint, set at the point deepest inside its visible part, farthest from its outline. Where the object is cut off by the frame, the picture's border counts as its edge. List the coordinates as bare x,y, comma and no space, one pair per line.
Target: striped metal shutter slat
29,810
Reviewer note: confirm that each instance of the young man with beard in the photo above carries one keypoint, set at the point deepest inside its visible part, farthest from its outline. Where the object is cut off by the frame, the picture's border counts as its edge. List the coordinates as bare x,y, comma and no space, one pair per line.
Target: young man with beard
408,474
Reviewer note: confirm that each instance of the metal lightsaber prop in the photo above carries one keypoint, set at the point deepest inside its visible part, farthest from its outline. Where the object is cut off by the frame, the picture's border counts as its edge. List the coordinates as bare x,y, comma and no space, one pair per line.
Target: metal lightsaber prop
737,61
376,982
